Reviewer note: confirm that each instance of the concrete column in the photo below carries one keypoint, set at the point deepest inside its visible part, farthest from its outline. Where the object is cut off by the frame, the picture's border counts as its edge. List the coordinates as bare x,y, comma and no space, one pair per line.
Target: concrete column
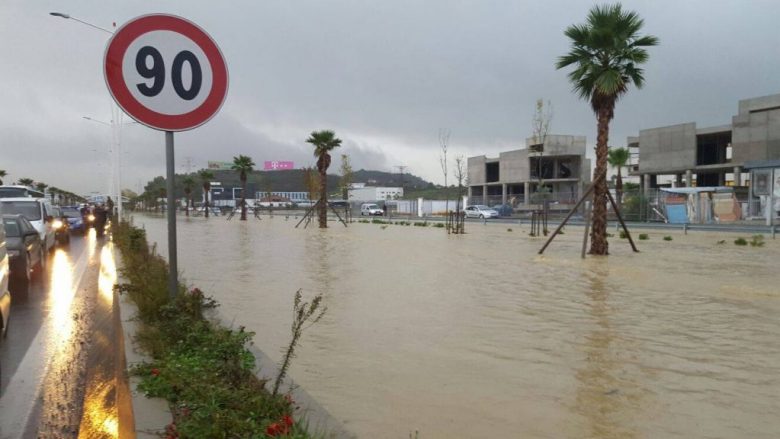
527,195
688,178
503,193
420,211
646,184
737,175
484,194
469,192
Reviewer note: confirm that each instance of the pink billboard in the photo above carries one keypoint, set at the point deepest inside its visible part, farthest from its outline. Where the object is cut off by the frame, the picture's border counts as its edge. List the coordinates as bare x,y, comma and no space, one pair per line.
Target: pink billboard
277,166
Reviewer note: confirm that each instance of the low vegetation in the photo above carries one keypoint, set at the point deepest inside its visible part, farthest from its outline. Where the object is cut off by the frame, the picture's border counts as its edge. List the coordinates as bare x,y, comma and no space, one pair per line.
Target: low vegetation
757,241
202,369
667,238
740,241
644,236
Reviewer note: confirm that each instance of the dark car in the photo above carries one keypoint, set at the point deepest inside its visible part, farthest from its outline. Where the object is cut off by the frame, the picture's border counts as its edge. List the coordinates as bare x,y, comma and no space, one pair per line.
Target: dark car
75,219
61,226
25,248
503,209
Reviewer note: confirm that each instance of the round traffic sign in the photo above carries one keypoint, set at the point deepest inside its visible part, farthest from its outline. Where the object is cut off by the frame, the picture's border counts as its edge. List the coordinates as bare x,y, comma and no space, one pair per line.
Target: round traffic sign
165,72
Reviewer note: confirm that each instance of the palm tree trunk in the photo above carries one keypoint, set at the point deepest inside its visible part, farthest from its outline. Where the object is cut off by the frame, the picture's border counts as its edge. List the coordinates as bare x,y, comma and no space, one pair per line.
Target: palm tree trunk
206,198
323,206
598,243
243,197
619,188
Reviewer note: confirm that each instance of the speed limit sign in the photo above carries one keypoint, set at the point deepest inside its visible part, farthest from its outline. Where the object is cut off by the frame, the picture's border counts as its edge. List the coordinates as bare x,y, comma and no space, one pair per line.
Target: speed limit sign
165,72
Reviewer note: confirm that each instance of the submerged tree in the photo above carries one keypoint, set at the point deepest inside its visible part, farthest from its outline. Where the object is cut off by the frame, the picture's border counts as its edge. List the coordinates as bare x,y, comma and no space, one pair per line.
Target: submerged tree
324,141
243,165
444,140
618,158
205,177
346,176
606,52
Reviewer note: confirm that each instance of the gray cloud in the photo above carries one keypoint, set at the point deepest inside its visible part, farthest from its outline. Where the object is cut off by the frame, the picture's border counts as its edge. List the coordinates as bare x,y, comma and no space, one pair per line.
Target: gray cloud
386,76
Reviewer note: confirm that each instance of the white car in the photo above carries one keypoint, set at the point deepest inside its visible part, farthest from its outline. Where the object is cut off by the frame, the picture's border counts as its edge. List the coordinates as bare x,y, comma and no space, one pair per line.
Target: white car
371,209
38,211
480,211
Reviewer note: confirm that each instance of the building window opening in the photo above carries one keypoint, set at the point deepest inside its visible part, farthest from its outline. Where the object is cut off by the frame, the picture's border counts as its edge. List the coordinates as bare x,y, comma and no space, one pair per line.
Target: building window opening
713,149
491,172
546,166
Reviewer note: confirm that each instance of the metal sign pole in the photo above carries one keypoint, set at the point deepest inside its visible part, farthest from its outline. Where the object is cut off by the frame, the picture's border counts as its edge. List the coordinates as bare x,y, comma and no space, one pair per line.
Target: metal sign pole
170,187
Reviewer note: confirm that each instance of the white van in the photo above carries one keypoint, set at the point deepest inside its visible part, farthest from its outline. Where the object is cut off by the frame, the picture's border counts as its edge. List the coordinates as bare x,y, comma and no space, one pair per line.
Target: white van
371,209
38,211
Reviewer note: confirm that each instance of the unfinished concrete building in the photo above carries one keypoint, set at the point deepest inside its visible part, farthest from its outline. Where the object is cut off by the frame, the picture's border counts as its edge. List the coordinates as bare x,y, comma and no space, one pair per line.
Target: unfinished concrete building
513,176
713,156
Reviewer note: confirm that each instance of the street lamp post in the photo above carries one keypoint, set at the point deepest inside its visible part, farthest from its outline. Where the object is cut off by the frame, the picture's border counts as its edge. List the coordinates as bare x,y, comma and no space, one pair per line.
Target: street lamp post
116,147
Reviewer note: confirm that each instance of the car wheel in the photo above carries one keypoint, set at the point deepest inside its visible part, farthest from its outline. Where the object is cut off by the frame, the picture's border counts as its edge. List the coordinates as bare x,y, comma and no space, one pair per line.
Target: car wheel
481,216
25,275
42,262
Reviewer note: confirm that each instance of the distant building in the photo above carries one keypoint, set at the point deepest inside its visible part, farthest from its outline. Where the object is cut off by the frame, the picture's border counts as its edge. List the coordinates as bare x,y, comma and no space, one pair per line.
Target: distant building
514,175
711,156
374,193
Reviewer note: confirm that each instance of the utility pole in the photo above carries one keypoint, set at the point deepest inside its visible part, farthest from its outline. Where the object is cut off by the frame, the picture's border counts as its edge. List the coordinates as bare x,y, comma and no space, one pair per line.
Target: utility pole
402,171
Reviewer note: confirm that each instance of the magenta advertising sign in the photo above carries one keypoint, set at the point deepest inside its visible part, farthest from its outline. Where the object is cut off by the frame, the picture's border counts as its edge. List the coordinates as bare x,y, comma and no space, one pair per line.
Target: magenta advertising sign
277,166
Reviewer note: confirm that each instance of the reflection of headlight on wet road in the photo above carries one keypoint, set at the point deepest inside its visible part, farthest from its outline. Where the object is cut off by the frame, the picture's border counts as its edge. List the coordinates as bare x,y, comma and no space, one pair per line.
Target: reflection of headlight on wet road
56,224
91,218
13,253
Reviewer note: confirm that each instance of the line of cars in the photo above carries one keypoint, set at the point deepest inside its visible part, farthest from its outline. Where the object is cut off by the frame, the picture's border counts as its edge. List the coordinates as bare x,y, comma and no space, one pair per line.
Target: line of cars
31,227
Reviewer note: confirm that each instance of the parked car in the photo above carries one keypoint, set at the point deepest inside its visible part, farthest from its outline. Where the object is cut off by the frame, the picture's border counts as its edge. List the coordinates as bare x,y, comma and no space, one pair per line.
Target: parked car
480,211
37,211
25,248
338,204
18,191
5,295
74,218
503,209
370,209
60,225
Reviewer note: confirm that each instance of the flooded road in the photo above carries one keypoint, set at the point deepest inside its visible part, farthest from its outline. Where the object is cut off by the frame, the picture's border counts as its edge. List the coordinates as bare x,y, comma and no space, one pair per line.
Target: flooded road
476,336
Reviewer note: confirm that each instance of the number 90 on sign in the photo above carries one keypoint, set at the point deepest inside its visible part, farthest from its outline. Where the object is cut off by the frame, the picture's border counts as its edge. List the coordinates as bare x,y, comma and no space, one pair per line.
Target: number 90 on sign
167,72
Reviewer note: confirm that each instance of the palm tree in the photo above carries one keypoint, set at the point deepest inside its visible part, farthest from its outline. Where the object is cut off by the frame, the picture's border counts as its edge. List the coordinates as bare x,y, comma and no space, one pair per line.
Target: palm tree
187,182
206,176
618,158
2,175
41,186
323,141
26,181
606,51
243,164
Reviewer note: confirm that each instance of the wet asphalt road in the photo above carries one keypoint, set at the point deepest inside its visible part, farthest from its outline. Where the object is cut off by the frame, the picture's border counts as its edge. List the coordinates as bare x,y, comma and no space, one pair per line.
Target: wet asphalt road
56,378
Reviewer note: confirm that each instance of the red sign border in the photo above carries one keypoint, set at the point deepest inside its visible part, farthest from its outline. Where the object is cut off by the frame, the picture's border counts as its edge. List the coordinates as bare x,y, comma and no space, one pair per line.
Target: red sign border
112,72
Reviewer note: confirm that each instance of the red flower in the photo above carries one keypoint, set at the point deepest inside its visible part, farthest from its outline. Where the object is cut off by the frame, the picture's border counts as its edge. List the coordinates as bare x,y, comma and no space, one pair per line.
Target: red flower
288,420
274,430
155,372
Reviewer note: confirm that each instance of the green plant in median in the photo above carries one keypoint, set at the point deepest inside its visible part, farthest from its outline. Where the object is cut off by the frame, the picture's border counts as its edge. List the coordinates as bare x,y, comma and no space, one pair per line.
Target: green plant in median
740,241
757,241
623,235
644,237
203,370
667,238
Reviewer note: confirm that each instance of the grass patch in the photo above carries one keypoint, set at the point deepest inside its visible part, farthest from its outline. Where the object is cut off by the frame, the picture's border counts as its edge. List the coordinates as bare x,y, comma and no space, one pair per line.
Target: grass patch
667,238
757,241
644,237
438,225
509,229
203,370
421,223
623,235
740,241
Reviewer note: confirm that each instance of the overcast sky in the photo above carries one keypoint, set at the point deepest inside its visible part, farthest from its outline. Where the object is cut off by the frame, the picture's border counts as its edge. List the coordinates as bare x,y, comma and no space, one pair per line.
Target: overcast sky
385,75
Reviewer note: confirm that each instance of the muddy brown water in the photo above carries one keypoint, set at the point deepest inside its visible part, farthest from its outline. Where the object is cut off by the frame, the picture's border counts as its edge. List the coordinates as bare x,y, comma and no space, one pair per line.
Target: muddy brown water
477,336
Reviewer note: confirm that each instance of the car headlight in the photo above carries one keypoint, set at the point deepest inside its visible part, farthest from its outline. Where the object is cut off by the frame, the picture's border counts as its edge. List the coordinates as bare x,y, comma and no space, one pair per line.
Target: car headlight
13,253
57,224
91,217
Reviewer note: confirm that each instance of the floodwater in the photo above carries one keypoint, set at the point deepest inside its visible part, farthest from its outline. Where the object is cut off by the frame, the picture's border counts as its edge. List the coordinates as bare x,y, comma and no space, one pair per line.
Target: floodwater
477,336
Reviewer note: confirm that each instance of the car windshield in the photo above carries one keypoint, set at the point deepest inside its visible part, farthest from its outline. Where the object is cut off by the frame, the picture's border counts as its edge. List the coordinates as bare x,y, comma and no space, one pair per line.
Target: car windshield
11,228
29,209
481,207
372,206
71,213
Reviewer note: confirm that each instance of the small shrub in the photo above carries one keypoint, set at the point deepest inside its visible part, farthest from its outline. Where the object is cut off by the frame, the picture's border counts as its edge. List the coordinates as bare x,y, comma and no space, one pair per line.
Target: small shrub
623,235
757,241
509,230
721,242
421,224
439,225
667,238
643,237
740,241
